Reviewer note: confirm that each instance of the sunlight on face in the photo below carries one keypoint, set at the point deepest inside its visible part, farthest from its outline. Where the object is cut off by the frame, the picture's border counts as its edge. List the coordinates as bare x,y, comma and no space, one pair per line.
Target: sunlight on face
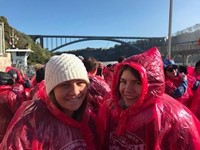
171,72
130,87
70,95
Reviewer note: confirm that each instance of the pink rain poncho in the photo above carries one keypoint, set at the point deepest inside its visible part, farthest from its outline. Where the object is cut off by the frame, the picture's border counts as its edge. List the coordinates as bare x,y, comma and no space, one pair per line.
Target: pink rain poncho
40,125
9,103
98,91
107,76
21,79
156,121
172,84
191,71
195,105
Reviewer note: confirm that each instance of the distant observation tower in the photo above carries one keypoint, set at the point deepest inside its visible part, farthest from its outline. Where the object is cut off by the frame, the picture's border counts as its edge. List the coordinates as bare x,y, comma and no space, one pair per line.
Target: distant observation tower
19,56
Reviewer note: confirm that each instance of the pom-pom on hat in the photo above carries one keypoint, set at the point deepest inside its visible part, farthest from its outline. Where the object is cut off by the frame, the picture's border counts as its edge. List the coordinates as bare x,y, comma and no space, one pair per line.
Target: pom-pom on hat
169,62
61,68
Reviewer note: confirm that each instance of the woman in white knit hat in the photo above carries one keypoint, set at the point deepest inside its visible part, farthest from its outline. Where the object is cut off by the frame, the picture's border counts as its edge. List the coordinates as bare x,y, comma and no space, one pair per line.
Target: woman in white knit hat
59,117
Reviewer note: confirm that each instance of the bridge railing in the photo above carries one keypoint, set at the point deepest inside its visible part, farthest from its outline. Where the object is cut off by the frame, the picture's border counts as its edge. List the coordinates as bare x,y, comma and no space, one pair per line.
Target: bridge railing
186,47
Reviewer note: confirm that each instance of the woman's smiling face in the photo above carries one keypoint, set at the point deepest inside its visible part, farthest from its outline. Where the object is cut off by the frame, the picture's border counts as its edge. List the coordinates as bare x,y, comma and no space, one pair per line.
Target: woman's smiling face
130,87
70,95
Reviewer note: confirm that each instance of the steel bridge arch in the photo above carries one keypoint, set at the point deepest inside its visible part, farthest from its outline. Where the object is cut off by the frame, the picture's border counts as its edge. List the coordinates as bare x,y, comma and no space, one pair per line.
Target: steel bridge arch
92,39
55,39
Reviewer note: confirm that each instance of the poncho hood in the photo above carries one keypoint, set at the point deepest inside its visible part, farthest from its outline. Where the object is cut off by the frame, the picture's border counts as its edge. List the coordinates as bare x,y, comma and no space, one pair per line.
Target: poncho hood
150,67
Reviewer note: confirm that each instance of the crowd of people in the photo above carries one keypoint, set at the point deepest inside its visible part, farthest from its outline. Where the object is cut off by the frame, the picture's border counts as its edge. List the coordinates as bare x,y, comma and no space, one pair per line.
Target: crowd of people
141,102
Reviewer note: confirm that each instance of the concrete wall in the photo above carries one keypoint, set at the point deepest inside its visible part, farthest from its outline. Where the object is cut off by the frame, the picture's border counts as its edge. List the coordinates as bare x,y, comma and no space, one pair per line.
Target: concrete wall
5,60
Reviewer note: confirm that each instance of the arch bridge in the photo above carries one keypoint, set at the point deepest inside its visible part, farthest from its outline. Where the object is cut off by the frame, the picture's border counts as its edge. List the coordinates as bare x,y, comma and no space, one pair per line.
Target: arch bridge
55,42
183,49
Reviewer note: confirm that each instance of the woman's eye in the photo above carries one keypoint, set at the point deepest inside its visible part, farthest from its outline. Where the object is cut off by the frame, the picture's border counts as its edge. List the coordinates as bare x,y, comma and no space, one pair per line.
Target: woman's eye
64,85
137,83
122,81
81,83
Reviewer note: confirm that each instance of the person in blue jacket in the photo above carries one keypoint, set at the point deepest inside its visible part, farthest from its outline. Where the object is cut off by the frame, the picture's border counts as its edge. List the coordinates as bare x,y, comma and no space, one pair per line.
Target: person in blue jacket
177,84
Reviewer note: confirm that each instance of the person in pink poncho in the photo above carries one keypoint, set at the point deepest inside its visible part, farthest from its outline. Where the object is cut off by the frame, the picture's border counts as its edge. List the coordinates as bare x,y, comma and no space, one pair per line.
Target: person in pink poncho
10,100
195,71
59,117
98,88
140,115
178,85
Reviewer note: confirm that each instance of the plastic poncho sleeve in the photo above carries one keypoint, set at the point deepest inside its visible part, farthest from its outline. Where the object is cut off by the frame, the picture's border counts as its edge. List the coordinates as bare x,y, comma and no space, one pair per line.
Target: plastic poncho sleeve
180,90
195,105
196,85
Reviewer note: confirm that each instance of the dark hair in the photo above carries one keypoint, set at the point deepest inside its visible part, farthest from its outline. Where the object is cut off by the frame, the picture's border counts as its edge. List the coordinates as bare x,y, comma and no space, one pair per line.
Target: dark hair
183,69
197,64
90,64
6,79
170,67
109,65
13,73
120,59
133,71
40,74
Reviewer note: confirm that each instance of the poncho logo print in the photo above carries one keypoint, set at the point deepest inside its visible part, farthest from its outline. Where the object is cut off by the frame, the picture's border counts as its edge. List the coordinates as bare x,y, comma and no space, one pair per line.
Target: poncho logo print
127,141
78,144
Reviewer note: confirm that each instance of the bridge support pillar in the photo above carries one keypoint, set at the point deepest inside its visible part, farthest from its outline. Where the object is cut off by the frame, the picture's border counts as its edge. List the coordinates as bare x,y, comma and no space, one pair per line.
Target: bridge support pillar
186,59
41,42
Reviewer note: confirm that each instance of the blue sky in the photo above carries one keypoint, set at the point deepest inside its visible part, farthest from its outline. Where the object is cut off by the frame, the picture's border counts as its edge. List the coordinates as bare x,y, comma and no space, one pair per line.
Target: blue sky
145,18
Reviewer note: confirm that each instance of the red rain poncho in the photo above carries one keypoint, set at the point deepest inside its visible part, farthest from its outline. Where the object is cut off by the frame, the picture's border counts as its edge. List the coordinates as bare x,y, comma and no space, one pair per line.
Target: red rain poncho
195,105
155,121
191,71
98,91
21,79
107,76
39,124
172,84
9,103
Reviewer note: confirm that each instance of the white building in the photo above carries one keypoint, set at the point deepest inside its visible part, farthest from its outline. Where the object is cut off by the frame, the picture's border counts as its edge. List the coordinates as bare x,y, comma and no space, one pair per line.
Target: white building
19,57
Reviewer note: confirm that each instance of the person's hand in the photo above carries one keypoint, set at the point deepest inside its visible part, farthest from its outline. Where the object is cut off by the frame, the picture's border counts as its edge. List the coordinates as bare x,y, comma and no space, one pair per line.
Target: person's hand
22,73
183,77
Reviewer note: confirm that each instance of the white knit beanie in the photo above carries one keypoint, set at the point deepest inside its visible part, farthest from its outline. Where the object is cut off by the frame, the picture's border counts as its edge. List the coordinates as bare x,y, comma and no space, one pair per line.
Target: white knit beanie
61,68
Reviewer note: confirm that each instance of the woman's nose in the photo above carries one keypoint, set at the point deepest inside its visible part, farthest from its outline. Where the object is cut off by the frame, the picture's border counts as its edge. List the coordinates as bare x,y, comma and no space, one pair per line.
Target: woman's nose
129,88
74,90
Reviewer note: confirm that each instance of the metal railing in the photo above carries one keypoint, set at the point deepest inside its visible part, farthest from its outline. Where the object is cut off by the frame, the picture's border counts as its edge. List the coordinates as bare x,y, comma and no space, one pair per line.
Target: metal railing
182,48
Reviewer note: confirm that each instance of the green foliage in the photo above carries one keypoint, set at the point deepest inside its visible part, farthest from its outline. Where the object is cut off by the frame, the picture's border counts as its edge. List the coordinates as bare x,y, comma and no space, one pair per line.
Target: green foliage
113,53
40,55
